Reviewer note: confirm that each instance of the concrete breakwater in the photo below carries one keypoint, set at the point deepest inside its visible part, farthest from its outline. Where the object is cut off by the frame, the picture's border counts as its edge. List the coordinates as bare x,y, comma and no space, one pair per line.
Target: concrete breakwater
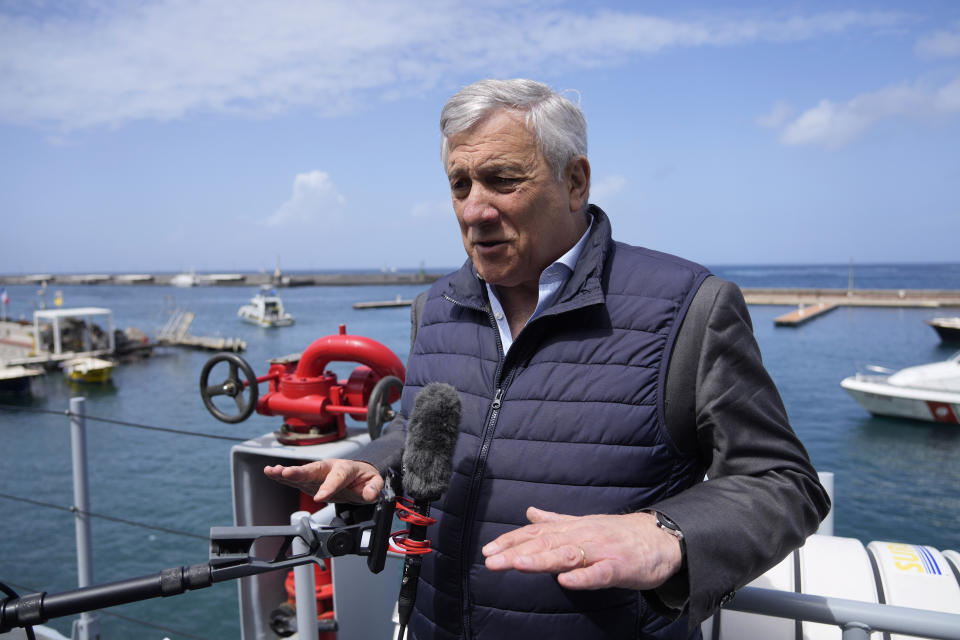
226,279
854,297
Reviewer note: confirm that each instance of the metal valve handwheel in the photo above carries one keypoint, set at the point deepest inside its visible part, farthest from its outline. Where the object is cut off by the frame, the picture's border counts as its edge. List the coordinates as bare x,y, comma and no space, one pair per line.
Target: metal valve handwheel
378,407
232,386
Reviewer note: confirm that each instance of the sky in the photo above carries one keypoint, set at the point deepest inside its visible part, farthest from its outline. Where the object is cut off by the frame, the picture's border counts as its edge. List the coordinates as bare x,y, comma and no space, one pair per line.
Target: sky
238,135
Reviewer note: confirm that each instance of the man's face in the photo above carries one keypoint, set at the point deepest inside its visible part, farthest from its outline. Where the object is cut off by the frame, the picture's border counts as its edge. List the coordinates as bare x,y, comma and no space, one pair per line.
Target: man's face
515,218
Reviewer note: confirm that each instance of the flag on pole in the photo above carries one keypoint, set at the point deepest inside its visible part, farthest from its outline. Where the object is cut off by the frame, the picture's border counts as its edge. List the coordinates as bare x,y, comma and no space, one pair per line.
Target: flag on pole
4,297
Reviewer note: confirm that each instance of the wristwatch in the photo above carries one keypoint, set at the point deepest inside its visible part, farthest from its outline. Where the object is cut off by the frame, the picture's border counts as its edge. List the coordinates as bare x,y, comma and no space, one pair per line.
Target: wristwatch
669,526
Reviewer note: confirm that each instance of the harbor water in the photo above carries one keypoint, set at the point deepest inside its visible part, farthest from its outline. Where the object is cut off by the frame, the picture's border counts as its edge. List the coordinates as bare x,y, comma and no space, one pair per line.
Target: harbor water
896,480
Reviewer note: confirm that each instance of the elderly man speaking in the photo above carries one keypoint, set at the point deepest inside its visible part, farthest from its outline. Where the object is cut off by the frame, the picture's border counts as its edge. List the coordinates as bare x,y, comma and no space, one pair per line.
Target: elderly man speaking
601,383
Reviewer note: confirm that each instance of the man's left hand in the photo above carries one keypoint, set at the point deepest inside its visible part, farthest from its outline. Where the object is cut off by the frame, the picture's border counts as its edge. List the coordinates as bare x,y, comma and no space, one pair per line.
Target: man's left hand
589,552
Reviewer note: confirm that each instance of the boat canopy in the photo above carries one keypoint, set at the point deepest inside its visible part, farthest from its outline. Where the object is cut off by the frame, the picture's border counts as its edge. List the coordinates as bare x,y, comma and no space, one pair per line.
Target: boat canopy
55,316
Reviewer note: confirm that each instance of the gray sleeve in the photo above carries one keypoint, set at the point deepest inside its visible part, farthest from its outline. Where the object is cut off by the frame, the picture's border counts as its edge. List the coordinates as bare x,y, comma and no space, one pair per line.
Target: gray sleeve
763,496
386,451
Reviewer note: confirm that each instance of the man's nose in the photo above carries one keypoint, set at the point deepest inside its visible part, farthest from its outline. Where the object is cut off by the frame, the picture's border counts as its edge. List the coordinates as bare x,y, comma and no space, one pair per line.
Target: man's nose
478,209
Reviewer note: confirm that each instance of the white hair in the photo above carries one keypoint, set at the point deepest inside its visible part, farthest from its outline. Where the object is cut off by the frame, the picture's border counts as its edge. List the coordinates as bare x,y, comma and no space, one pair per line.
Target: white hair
557,124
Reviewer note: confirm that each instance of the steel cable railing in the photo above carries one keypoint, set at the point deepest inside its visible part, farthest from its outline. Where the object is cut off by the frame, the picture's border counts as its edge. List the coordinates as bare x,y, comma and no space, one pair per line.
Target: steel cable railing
124,423
75,510
78,512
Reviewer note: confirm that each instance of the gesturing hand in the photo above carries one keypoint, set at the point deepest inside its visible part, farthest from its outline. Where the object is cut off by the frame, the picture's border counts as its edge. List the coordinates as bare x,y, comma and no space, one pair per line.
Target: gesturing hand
332,480
589,552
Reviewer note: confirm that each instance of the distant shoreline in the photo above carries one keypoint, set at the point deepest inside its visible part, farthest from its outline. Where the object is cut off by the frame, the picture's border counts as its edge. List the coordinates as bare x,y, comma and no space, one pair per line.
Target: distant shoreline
229,279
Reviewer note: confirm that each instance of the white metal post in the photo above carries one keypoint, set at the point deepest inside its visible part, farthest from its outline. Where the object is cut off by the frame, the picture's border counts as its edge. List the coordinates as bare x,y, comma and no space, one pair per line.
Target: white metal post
306,586
826,527
87,627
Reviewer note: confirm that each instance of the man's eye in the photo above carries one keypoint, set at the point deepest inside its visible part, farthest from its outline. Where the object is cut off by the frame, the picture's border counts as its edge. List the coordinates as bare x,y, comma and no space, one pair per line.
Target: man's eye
460,187
504,181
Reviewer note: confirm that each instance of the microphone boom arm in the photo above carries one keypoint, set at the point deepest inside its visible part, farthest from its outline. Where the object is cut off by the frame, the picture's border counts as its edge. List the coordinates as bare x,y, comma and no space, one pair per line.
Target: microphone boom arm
231,557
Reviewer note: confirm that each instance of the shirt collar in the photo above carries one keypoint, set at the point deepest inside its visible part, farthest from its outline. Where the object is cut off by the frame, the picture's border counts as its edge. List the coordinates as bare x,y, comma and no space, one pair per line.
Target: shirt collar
551,282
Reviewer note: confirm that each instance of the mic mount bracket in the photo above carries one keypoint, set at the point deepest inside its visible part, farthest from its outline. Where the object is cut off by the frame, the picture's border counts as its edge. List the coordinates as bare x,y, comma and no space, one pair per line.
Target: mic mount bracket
358,529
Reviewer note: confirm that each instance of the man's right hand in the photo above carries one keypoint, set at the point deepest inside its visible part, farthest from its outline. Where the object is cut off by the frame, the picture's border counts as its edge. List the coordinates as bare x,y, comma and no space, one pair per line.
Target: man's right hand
332,480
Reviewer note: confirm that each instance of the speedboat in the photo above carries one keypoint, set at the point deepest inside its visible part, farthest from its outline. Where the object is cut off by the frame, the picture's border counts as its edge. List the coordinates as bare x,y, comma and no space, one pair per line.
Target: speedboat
87,369
928,392
948,328
265,310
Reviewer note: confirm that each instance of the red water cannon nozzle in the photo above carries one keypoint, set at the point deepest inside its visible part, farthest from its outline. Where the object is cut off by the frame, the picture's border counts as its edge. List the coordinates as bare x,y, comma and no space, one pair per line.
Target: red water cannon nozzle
311,400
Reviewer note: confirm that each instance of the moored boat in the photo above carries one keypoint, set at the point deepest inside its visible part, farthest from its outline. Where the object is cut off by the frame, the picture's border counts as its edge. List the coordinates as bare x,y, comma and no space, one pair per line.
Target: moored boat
185,279
87,369
265,310
928,392
15,380
948,328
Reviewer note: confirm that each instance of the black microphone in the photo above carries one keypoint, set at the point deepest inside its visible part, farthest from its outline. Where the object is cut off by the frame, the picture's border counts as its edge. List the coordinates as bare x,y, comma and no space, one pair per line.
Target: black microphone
427,466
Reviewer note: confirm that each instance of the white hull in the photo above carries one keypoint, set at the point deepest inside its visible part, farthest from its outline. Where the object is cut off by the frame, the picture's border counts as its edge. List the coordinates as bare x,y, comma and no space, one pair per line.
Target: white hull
883,399
928,392
247,314
265,310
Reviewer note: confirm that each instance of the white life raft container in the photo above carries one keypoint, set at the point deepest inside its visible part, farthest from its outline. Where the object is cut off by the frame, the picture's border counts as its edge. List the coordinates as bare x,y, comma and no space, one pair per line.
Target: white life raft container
893,573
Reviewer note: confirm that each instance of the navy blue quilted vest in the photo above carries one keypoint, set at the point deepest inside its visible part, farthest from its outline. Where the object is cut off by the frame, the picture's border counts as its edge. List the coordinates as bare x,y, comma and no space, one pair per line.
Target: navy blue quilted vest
570,421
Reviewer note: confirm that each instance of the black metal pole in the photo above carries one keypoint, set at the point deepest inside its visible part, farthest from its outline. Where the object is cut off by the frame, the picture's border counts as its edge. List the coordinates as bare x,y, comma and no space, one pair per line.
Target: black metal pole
37,608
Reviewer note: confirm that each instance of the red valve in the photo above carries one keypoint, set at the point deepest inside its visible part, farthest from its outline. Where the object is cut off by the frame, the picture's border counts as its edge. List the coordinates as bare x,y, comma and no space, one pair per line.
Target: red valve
313,402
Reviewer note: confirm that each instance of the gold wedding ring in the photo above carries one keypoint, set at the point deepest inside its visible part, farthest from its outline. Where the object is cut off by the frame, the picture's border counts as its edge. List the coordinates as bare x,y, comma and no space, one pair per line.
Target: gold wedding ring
583,556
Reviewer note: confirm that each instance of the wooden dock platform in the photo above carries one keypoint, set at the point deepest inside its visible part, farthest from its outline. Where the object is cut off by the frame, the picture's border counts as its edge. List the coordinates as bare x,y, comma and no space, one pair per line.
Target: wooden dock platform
803,314
209,343
175,333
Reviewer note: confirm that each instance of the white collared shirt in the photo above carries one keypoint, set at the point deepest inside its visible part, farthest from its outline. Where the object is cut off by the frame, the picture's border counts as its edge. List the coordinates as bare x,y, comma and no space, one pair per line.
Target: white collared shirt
551,281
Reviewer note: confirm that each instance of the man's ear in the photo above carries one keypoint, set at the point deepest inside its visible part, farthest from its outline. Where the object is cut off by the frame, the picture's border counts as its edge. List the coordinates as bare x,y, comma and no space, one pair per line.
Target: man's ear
578,182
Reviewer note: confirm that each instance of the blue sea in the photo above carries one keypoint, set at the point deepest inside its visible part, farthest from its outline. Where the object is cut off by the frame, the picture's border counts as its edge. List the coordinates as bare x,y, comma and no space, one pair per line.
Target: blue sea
896,480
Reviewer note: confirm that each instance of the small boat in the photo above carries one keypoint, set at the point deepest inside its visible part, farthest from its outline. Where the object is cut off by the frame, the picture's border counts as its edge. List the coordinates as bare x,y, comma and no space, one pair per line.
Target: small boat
185,280
928,392
87,369
265,310
948,328
15,380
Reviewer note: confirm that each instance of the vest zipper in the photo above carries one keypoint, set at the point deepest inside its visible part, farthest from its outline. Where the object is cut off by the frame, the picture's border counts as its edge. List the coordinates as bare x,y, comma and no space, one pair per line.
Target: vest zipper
467,532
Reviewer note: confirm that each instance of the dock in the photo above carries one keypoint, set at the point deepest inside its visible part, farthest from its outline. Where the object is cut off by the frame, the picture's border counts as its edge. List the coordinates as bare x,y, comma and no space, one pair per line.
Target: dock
378,278
813,303
18,348
399,302
803,314
176,333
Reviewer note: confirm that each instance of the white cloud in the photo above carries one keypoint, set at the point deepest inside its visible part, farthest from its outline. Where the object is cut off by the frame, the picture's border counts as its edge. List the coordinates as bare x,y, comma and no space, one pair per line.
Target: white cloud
947,97
604,189
314,197
831,124
777,116
107,62
941,44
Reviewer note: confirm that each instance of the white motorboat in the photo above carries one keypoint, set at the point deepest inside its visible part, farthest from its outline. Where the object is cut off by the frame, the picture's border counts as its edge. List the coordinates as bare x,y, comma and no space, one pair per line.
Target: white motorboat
185,279
948,328
265,310
928,392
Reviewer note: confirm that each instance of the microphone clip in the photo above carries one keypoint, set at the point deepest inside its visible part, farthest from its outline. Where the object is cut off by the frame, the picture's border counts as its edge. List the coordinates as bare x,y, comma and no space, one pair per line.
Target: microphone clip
357,529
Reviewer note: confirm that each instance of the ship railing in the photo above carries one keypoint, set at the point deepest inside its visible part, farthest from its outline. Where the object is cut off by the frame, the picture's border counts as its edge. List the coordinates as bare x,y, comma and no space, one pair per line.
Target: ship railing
856,619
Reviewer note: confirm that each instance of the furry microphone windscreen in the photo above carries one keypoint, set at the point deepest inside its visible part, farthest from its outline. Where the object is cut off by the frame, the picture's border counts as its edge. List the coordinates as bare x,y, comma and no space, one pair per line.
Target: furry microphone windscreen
431,437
